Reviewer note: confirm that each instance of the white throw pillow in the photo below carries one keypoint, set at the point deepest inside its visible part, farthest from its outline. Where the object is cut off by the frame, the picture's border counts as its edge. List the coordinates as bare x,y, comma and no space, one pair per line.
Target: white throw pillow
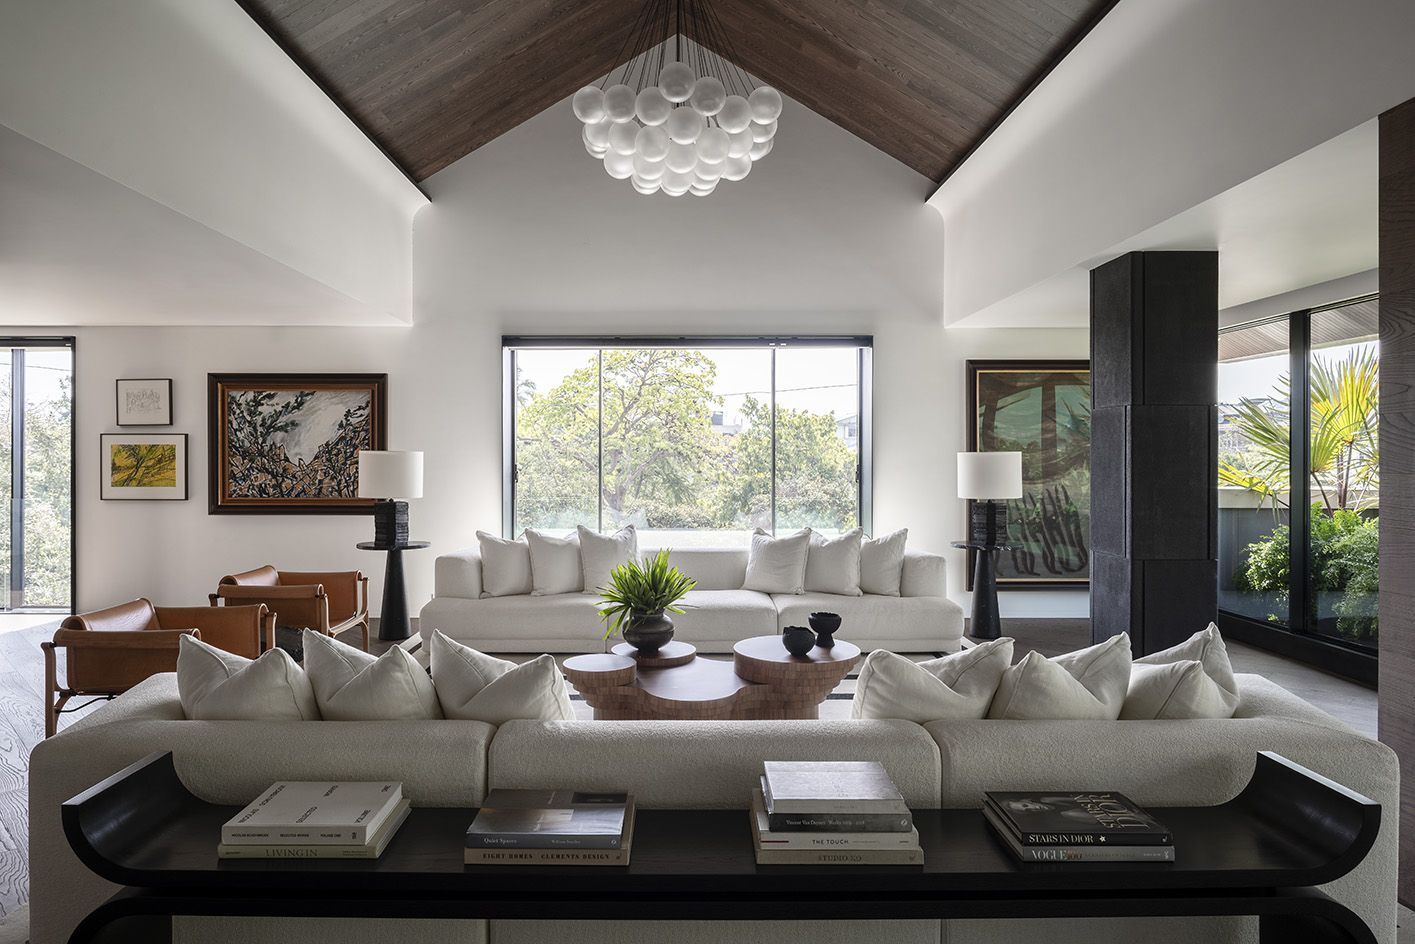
216,685
474,686
833,564
351,685
1085,685
601,553
777,565
505,566
959,686
882,563
555,564
1191,680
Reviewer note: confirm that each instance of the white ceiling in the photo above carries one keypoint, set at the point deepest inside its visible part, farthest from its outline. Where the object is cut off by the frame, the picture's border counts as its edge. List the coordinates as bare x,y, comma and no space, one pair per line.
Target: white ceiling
1309,220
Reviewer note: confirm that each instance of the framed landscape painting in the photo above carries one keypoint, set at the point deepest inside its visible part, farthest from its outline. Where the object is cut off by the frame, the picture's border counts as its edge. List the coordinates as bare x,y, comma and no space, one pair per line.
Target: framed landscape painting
139,467
289,443
1043,410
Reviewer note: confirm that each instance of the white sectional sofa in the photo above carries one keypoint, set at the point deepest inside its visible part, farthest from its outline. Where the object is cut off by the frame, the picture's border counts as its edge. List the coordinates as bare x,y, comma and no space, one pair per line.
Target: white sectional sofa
704,765
719,612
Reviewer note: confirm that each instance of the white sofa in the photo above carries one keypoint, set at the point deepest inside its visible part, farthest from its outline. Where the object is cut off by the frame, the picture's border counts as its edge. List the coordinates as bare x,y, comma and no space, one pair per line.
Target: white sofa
705,765
719,612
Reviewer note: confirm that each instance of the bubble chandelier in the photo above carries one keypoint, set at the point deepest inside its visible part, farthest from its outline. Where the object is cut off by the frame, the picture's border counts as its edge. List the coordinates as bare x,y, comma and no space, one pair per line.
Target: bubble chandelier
704,121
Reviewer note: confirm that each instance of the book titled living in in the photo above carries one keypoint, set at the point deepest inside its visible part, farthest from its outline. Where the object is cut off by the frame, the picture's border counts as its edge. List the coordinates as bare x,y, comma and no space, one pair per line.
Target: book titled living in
314,813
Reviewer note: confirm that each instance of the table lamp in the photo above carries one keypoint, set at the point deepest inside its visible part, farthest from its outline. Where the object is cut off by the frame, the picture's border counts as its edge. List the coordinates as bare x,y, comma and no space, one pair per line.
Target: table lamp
388,477
987,478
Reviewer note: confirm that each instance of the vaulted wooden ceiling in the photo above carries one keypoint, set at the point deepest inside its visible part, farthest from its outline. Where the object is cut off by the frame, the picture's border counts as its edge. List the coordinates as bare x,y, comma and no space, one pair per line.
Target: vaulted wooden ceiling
430,81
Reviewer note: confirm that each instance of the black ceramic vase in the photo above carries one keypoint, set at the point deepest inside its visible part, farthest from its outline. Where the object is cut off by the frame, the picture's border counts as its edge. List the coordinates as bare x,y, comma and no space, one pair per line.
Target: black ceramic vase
648,632
825,625
798,640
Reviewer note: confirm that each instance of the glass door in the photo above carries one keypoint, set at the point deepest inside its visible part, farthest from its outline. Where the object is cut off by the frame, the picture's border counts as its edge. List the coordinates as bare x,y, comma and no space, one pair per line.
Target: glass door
36,474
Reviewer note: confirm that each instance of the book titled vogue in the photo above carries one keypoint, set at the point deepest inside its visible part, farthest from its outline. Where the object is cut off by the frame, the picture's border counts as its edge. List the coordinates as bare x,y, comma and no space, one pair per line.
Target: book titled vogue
314,813
551,827
1108,852
372,849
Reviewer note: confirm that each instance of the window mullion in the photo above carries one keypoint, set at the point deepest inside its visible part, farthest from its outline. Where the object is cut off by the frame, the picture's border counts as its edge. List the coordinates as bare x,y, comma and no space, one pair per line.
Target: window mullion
1299,497
773,441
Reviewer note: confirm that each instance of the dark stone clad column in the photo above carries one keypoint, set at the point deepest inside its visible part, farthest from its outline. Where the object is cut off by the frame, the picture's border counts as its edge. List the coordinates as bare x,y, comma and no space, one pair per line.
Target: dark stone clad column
1397,440
1154,447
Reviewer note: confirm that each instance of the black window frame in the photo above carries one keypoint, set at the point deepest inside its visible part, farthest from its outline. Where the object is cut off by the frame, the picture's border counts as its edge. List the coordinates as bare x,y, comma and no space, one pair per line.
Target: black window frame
1299,639
864,344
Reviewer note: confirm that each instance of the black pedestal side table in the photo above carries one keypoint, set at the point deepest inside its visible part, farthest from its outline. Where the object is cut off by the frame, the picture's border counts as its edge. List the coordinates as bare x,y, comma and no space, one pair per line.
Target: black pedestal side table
986,622
393,618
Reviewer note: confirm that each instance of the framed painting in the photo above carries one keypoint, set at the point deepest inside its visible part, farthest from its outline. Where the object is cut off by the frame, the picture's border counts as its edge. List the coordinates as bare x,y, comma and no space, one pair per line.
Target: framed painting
1042,409
289,443
144,402
137,467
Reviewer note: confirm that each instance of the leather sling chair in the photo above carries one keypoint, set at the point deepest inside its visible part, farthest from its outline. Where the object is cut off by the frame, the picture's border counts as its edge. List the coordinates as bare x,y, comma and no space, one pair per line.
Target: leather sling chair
109,651
327,602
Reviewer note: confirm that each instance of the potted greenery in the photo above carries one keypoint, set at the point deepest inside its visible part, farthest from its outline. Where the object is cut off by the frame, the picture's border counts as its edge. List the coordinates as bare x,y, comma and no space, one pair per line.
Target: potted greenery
639,598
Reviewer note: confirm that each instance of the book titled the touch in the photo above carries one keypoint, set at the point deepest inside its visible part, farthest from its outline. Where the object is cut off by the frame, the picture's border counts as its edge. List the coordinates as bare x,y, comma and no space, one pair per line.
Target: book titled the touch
824,839
333,813
550,819
370,850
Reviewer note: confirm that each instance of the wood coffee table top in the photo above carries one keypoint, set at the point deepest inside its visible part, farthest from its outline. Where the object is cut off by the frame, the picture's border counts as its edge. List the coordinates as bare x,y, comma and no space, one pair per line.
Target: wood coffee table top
763,681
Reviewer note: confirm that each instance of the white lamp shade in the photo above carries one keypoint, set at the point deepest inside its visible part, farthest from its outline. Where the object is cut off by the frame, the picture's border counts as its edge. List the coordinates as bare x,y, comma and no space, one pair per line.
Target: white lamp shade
989,475
389,474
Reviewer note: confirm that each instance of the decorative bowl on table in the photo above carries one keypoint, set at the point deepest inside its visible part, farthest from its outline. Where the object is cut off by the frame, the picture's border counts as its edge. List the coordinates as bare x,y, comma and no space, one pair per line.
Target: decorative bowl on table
798,640
825,625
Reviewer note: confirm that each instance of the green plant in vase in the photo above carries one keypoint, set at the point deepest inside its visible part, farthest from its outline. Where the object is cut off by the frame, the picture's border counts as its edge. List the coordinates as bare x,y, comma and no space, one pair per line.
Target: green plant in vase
638,599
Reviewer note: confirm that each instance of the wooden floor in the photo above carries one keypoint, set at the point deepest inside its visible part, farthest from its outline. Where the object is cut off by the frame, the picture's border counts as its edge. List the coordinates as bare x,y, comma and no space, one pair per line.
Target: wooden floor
22,722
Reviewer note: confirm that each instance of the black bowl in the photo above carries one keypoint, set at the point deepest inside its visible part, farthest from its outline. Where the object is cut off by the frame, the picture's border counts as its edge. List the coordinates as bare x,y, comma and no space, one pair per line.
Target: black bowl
825,622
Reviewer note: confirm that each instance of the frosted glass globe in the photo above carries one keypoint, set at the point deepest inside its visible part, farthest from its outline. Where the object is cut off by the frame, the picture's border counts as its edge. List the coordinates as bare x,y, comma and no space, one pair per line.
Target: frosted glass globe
673,179
741,143
681,157
645,187
588,104
652,143
597,134
702,190
621,137
684,125
708,96
709,172
734,168
676,81
597,153
647,169
760,150
619,166
651,107
619,103
766,104
763,132
713,145
736,114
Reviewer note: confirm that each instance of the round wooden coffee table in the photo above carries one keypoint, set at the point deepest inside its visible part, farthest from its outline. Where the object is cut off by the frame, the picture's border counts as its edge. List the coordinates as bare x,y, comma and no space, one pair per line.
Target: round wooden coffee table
762,682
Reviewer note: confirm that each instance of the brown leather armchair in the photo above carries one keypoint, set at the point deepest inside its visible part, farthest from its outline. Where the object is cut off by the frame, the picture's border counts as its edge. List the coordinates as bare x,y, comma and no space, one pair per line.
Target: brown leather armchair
109,651
326,602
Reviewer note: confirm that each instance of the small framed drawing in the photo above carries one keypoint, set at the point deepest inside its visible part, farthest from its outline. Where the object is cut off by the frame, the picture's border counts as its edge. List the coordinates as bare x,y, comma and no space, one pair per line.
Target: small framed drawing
145,402
138,467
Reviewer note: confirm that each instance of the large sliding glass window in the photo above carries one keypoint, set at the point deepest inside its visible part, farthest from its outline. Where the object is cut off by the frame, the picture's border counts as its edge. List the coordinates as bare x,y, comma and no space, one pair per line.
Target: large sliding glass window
694,441
1299,488
36,473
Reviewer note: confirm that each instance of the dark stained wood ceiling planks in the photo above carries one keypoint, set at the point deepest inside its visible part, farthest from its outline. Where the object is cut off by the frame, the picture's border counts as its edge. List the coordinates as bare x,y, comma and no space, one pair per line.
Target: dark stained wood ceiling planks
430,81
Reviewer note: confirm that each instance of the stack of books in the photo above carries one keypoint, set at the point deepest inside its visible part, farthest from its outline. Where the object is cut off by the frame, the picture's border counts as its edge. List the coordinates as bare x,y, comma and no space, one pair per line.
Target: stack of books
316,820
1077,826
831,813
551,827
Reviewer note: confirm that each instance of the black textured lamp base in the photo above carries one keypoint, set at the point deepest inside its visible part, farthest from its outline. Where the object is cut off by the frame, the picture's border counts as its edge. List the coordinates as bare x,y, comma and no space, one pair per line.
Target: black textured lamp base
390,523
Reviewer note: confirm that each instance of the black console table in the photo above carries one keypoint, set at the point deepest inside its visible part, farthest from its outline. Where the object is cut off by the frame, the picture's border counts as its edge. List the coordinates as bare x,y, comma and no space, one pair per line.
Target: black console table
1259,854
393,617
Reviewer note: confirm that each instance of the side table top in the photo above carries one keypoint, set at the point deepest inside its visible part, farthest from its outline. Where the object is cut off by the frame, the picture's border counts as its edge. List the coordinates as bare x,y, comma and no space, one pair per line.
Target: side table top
770,649
407,546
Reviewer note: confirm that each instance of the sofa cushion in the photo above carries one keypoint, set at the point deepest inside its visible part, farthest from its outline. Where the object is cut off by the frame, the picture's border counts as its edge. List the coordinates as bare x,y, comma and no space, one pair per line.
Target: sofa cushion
474,686
505,565
957,686
882,563
1191,680
1088,684
555,563
936,623
777,565
833,564
518,624
724,616
216,685
601,553
714,568
351,685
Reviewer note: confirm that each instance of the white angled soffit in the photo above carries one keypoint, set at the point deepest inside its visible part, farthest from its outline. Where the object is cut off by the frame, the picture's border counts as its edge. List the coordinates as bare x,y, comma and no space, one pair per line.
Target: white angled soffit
1163,110
194,107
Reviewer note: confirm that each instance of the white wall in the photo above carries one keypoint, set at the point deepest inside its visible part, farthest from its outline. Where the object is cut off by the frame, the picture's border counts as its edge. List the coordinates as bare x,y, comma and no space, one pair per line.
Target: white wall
528,235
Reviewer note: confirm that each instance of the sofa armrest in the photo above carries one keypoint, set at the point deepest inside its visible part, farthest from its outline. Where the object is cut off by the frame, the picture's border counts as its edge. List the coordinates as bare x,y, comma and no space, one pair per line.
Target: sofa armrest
923,575
458,575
